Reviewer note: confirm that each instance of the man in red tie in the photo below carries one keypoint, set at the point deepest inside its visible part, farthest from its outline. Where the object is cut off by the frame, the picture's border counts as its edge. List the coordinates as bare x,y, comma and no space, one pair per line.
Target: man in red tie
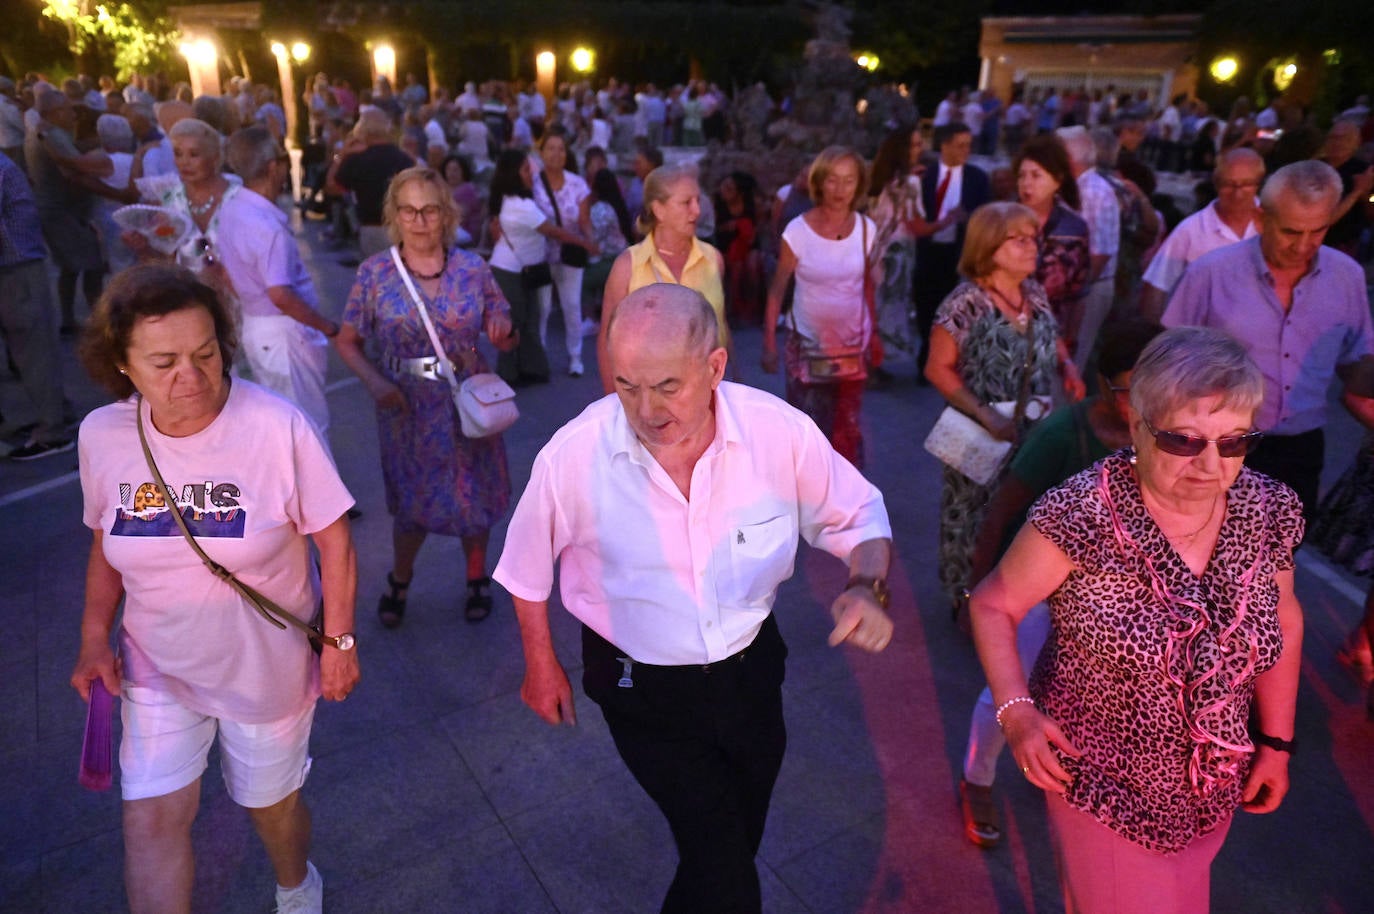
953,187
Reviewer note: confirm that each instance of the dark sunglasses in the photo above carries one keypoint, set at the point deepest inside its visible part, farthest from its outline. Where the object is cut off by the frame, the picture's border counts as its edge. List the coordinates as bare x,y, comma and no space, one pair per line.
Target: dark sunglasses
1190,445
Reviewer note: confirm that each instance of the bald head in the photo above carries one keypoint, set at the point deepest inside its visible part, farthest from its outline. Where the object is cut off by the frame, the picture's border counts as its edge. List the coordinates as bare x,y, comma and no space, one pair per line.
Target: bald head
666,312
170,113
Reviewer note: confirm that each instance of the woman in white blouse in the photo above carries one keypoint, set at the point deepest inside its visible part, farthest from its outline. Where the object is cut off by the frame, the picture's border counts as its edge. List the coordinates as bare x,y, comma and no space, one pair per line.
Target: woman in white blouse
518,261
559,191
827,249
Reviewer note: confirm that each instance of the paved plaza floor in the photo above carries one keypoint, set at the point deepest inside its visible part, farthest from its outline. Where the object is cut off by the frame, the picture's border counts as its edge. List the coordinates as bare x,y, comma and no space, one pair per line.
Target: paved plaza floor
435,790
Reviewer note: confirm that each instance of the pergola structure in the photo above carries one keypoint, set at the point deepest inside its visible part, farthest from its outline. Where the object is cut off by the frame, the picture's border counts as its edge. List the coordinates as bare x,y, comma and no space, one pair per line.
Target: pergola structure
1127,53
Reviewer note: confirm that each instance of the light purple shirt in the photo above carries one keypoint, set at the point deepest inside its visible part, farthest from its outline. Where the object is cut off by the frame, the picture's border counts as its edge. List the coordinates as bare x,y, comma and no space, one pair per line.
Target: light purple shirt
1327,326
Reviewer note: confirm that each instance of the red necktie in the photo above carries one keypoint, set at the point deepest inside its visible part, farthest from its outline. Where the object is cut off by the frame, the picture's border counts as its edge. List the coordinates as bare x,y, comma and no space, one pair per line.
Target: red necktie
940,191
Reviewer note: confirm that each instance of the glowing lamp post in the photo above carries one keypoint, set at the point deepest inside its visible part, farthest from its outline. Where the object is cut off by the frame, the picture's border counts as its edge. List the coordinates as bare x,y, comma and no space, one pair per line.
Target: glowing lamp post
867,60
202,62
300,52
384,63
583,60
545,67
1224,69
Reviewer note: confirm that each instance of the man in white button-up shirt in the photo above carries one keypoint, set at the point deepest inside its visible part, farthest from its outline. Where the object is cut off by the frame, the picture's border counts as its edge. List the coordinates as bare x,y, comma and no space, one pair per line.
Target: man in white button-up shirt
674,510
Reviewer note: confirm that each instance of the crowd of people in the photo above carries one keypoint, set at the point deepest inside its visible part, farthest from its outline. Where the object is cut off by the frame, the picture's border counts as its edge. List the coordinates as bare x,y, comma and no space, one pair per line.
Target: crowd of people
474,213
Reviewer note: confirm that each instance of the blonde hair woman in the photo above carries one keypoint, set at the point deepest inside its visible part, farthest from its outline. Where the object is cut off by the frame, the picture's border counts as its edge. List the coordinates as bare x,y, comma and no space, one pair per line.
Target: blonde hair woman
992,330
670,252
827,249
437,480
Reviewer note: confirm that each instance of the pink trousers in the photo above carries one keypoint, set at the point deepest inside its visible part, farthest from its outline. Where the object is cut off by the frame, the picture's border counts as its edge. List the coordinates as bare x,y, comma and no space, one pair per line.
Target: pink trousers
1104,873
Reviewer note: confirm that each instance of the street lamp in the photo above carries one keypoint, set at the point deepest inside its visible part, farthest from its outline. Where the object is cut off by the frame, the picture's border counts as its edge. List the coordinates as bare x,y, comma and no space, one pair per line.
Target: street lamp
300,52
384,62
202,65
1224,69
545,66
583,60
867,60
1283,75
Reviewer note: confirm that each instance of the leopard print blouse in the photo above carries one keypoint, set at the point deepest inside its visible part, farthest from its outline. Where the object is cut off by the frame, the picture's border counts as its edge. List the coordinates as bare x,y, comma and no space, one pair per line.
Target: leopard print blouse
1150,669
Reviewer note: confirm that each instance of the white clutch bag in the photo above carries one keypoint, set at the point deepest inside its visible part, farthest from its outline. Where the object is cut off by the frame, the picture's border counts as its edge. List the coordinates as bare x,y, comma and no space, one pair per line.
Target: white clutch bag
960,443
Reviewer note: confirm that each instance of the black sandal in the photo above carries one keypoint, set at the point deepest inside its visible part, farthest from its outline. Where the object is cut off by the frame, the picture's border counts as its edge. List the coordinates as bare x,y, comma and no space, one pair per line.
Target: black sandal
478,606
391,608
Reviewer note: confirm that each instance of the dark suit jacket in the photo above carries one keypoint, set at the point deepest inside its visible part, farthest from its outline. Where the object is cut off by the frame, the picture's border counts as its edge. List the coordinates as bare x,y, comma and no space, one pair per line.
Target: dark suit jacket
977,191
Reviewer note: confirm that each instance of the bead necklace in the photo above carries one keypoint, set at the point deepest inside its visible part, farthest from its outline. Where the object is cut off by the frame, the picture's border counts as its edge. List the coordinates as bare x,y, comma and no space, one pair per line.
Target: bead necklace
425,276
200,209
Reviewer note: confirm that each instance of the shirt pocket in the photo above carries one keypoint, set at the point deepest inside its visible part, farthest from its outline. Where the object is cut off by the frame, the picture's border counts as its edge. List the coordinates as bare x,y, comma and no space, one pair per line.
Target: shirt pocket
761,557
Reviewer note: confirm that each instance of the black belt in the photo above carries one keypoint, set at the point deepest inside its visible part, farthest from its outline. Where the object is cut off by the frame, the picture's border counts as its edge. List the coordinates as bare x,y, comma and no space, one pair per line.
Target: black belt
769,628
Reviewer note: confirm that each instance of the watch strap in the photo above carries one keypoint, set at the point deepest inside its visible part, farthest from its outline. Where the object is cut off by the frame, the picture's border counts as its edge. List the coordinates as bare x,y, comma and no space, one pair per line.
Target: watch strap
1273,742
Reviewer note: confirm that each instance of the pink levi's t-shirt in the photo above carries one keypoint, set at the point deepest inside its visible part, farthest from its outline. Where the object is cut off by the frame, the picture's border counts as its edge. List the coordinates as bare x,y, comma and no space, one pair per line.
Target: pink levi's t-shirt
252,486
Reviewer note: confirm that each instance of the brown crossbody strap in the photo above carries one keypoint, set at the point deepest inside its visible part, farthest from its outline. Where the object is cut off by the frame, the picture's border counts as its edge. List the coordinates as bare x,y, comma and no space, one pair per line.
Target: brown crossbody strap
265,607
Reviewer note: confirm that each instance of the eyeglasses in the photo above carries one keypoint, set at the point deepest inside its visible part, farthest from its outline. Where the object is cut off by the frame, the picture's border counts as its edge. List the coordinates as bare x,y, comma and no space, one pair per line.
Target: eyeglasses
411,213
1239,185
1191,445
1119,391
1033,240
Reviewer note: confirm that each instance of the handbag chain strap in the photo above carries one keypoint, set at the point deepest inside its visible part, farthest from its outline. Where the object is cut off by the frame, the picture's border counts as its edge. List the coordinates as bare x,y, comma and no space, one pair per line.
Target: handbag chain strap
445,366
1023,396
265,607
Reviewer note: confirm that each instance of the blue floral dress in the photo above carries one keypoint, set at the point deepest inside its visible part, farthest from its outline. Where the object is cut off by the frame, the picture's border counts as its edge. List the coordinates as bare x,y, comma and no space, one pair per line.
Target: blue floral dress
437,480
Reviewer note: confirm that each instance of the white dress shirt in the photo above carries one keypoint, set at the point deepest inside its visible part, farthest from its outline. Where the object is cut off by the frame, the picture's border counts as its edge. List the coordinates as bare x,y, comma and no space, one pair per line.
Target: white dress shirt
954,195
668,580
1201,233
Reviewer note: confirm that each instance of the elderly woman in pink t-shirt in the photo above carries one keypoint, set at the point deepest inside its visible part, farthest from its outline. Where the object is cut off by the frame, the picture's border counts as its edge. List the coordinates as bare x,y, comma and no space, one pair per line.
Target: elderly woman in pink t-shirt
254,484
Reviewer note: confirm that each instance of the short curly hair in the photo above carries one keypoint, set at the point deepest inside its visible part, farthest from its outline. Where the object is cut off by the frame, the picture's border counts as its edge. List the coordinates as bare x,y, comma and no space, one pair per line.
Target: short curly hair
143,291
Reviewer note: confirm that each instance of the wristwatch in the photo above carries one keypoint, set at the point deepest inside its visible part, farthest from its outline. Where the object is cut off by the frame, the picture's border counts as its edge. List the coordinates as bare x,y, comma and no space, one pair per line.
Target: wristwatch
1289,746
344,642
877,585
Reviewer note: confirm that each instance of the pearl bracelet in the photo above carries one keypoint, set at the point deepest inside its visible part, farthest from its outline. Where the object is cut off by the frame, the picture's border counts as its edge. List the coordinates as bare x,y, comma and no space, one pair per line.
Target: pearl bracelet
1008,703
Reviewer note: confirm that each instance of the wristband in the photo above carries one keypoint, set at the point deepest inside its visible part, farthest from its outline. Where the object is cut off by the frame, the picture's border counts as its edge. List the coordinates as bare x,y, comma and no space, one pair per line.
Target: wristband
1289,746
1008,703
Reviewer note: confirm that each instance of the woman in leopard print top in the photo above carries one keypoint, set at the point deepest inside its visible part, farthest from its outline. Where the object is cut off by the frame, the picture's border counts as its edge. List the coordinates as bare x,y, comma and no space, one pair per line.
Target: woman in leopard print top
1169,571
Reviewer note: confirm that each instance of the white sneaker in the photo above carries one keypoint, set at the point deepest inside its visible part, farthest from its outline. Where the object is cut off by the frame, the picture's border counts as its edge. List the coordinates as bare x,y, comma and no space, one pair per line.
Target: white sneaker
306,898
590,327
575,368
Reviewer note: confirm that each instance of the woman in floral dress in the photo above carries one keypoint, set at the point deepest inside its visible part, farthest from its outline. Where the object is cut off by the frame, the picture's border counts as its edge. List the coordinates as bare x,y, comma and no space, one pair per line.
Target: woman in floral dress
978,356
437,480
895,208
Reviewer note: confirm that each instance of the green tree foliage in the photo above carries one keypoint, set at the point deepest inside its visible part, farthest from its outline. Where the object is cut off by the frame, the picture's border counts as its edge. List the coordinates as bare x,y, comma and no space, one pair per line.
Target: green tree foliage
126,36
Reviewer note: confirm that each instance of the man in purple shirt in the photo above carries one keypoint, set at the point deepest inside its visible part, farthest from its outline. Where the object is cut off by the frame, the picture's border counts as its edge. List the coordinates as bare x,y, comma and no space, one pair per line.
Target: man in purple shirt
1300,308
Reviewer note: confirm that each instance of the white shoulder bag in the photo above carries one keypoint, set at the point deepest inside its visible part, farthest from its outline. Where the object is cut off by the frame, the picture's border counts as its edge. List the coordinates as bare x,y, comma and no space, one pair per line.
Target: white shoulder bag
485,403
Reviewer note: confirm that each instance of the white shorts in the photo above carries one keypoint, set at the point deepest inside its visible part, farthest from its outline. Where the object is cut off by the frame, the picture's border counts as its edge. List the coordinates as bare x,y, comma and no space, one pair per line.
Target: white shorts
165,747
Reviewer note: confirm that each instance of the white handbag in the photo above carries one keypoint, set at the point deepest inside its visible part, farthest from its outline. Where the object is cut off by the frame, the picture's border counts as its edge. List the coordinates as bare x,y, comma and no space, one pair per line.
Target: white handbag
485,403
962,444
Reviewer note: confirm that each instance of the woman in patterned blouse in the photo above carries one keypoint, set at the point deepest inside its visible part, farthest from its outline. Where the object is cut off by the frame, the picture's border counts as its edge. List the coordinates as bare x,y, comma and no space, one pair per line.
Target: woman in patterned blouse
1045,183
990,332
1169,572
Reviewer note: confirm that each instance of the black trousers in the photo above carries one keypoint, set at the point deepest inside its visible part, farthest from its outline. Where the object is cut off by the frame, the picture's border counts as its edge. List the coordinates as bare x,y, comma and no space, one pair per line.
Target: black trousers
937,273
1294,460
706,744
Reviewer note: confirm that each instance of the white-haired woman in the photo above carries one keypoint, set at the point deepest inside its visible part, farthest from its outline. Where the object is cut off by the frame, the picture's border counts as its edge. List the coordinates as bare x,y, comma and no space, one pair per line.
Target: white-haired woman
1164,698
198,188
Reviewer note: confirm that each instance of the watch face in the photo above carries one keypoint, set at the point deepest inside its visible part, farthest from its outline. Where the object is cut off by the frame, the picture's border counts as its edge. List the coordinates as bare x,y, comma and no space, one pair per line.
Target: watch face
345,642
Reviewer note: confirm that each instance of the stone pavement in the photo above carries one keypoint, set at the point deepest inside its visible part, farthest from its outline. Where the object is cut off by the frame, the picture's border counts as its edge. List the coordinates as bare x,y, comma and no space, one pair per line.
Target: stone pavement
435,790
